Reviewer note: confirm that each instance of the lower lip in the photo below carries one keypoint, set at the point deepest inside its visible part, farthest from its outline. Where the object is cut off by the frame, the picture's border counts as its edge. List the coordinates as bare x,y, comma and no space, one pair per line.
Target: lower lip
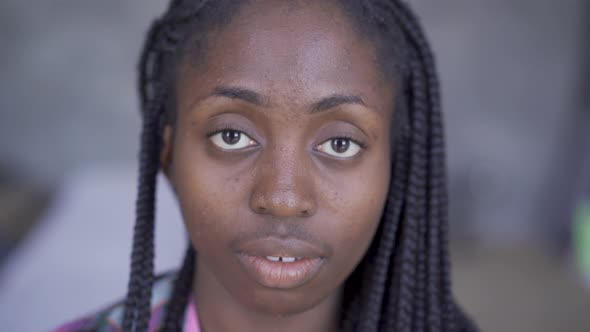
279,274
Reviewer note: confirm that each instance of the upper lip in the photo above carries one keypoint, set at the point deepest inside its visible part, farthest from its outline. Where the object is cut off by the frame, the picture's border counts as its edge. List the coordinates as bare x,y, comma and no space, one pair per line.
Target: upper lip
280,247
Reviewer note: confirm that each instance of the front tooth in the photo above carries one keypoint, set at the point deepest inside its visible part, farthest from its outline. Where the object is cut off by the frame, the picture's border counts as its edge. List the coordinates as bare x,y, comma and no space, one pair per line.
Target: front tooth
273,258
288,259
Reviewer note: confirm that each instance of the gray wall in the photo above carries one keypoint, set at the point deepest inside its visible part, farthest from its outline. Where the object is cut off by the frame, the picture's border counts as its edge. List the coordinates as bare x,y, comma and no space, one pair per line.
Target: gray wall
68,95
509,71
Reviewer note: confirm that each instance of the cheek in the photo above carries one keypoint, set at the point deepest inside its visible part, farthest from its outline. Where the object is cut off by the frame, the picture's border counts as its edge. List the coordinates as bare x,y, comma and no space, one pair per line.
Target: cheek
210,196
362,207
358,203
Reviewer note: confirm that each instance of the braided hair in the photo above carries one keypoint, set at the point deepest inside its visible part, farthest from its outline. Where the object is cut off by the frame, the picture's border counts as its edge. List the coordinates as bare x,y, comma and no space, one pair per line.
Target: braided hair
403,282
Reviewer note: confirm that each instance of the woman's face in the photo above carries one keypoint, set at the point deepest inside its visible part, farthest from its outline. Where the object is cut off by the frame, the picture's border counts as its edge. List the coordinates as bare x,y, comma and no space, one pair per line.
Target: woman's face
280,156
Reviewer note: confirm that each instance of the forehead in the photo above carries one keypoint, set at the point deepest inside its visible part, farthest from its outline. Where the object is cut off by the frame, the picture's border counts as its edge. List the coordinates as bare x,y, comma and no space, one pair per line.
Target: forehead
290,50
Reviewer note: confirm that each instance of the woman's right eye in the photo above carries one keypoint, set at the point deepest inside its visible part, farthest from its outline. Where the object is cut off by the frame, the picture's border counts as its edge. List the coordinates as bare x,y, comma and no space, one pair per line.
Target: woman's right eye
230,139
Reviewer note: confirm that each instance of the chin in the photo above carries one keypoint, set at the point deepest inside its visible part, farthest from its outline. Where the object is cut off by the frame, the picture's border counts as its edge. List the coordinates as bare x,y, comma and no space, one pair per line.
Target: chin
282,302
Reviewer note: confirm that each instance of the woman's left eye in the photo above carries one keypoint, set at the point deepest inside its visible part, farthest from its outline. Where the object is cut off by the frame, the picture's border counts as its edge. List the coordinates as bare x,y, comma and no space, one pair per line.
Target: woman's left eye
340,147
230,139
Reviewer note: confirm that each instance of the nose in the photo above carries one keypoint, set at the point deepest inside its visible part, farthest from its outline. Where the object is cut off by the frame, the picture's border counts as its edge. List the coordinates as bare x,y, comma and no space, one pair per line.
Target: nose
283,186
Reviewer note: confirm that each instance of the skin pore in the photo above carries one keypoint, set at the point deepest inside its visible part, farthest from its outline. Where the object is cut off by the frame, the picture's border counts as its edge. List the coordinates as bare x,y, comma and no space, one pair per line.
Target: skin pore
282,134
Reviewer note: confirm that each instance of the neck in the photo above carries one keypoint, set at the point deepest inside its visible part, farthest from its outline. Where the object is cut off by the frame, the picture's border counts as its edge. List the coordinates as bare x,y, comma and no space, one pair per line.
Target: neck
219,311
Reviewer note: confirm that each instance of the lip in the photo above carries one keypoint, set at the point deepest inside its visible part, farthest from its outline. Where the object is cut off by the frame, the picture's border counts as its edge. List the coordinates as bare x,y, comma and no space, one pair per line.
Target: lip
253,254
278,274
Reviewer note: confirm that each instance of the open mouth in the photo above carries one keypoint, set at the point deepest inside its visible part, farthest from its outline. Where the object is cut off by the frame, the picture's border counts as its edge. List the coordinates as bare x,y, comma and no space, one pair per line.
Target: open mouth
281,272
283,259
279,262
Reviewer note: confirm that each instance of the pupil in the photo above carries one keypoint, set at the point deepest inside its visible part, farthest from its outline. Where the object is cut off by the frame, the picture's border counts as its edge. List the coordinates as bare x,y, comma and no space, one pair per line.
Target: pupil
231,137
340,145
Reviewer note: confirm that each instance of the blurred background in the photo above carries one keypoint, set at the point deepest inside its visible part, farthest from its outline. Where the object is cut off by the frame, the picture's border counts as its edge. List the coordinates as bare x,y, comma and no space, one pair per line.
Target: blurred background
516,88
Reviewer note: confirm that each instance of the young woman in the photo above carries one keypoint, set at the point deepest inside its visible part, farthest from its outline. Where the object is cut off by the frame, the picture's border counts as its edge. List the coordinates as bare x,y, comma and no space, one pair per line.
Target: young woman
303,140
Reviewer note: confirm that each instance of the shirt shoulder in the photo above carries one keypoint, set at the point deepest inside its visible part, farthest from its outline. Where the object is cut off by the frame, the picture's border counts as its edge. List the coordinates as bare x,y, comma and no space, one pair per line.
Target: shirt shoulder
110,318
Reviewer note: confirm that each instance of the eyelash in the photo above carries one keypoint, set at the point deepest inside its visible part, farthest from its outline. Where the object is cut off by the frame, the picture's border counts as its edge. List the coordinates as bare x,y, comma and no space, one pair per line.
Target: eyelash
349,138
223,128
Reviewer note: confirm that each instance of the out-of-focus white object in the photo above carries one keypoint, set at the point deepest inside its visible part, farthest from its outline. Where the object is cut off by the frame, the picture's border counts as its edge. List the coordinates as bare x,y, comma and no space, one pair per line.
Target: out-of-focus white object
77,260
582,240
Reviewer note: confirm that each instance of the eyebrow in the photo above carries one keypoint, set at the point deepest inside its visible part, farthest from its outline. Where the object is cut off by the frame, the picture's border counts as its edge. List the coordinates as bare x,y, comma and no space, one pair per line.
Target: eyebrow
246,95
257,99
334,101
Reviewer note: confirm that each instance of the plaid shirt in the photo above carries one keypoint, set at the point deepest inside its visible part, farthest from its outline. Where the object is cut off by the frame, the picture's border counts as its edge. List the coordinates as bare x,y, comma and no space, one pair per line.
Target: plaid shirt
110,318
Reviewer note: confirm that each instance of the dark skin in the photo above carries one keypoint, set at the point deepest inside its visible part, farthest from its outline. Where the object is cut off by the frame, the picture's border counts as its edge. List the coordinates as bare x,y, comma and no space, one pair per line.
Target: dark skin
283,130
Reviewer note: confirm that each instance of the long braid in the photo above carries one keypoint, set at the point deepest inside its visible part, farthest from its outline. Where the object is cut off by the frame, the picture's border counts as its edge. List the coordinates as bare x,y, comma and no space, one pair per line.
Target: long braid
439,265
424,107
426,224
137,306
181,293
420,209
439,275
439,186
415,197
406,288
433,264
162,40
392,291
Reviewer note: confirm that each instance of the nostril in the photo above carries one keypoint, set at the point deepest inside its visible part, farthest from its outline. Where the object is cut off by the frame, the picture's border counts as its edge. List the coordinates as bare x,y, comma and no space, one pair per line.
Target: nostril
282,204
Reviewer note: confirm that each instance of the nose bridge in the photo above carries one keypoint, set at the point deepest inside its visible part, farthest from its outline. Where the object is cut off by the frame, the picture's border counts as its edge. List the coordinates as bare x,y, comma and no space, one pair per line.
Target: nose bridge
283,186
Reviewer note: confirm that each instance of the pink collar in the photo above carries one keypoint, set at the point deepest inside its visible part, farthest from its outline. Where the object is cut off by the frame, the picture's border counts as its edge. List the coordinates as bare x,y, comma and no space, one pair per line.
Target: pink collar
191,324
